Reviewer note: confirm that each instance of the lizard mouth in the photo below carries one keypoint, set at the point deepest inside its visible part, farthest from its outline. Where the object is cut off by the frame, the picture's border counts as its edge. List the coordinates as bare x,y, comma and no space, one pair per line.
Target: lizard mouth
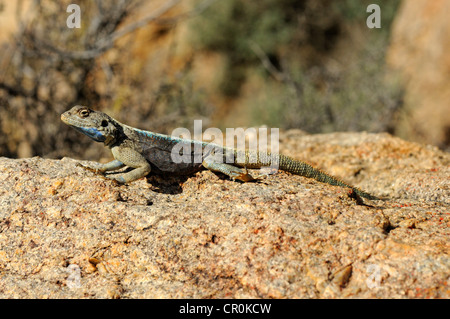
64,118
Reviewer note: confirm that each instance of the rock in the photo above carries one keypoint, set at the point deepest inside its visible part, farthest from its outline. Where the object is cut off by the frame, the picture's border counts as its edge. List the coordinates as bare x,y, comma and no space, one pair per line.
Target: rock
419,48
67,233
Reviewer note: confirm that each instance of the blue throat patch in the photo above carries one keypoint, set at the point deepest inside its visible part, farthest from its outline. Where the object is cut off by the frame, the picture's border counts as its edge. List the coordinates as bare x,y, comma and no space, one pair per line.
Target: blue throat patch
92,132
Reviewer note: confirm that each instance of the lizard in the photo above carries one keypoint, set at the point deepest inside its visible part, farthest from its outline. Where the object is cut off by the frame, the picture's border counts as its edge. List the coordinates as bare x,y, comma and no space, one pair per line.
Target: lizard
146,151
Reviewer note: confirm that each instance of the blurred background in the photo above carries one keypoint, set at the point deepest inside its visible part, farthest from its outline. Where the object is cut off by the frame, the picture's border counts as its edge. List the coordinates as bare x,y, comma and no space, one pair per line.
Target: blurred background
313,65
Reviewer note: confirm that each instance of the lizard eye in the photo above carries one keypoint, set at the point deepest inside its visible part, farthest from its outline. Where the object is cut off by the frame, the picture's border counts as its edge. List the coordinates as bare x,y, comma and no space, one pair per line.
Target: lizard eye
104,123
84,113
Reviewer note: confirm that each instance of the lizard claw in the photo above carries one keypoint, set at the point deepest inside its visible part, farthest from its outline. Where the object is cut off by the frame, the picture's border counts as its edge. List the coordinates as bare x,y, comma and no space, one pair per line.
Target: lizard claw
244,177
260,177
94,170
116,180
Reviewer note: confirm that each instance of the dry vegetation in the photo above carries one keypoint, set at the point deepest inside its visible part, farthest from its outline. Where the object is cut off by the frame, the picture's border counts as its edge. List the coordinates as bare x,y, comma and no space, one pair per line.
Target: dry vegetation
305,64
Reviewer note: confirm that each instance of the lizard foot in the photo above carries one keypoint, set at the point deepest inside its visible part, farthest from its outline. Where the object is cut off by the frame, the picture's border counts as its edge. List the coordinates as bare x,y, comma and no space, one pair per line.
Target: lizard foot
261,176
117,180
242,176
94,170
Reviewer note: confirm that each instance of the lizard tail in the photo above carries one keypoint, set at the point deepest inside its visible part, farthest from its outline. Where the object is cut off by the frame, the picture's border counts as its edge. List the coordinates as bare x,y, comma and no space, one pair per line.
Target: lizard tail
304,169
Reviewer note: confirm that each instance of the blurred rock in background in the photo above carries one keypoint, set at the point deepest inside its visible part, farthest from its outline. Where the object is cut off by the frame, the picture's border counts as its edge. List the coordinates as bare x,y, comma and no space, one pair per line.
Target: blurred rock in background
158,65
419,50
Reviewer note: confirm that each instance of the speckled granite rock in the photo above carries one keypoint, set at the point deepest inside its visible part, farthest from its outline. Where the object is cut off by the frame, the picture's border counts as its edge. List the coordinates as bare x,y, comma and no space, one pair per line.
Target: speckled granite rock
66,233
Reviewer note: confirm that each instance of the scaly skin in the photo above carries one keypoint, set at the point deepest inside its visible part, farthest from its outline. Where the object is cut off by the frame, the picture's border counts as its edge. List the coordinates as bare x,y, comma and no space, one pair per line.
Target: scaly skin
151,152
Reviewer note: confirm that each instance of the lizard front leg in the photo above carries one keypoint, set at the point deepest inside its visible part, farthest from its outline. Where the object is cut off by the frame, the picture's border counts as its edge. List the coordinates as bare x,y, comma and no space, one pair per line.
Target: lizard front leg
101,168
133,159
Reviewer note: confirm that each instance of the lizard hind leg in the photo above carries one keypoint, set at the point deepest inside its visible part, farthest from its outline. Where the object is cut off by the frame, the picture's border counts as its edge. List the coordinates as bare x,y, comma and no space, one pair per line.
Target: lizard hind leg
232,171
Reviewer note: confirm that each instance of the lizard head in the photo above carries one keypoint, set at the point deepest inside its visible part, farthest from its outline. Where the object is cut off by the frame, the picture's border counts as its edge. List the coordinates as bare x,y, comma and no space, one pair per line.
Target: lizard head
97,125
